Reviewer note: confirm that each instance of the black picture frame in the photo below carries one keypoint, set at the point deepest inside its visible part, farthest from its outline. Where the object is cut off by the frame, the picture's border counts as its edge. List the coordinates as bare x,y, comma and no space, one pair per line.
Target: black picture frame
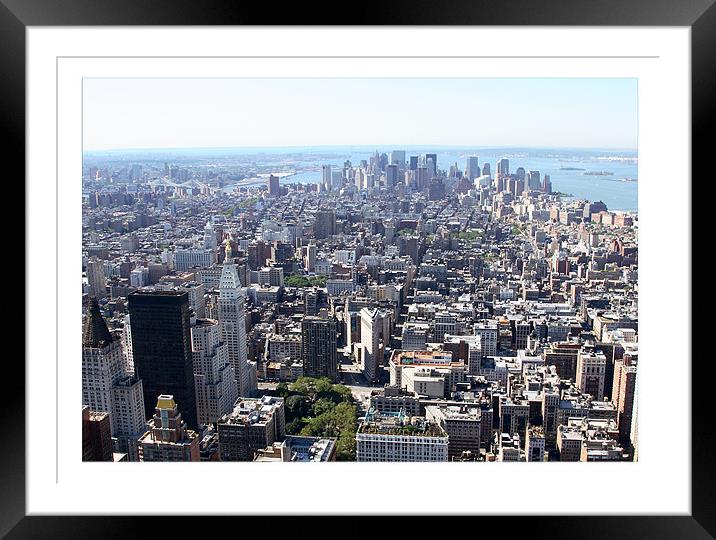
699,15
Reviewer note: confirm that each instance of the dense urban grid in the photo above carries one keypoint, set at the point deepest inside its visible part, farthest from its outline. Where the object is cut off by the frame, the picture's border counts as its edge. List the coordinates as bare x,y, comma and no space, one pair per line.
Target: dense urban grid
390,311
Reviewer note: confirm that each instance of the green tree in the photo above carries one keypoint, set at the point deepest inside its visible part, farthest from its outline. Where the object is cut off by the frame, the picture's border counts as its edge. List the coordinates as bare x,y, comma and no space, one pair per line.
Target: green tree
295,426
322,406
296,407
282,390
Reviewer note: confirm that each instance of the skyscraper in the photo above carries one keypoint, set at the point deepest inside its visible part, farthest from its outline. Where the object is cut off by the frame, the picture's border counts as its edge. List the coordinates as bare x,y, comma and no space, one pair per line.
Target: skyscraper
473,169
96,436
327,178
233,326
391,175
434,158
503,167
108,386
161,346
96,279
325,224
320,355
310,259
397,157
533,181
216,388
274,186
375,335
102,361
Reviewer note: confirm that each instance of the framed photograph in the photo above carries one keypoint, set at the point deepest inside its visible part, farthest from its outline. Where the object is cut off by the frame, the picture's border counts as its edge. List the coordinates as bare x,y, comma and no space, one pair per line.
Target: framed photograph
414,250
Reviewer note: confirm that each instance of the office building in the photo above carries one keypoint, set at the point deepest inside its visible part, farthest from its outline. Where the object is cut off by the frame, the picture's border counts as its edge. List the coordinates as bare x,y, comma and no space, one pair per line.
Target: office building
168,438
591,372
161,346
274,186
232,321
96,278
325,224
472,170
318,345
375,336
96,435
462,423
397,437
253,425
108,386
216,387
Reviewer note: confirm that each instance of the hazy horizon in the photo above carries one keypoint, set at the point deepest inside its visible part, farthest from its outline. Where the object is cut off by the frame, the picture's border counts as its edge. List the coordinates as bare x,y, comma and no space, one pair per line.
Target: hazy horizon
172,114
381,148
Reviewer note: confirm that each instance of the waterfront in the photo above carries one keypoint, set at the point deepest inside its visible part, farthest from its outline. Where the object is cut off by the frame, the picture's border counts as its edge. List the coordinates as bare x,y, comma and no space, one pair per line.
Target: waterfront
566,168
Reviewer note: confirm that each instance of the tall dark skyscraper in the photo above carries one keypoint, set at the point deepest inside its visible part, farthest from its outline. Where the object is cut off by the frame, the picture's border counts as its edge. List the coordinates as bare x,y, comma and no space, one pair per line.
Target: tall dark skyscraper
320,356
414,162
161,346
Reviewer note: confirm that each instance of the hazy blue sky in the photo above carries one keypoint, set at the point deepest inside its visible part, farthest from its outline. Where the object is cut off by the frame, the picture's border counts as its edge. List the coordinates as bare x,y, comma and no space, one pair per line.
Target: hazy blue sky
181,113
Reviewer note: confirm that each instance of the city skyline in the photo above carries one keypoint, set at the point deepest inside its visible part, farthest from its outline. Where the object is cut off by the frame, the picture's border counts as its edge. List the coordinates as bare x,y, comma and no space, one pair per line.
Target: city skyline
160,114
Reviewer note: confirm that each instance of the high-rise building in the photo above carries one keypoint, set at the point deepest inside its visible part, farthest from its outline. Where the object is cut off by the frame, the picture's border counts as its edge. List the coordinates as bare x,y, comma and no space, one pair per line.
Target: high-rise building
397,157
461,423
374,337
310,257
391,175
472,170
533,181
503,167
414,162
216,388
107,385
251,426
96,278
168,438
591,372
488,338
129,416
102,361
161,346
325,224
233,327
623,397
96,435
327,178
550,409
274,186
320,353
